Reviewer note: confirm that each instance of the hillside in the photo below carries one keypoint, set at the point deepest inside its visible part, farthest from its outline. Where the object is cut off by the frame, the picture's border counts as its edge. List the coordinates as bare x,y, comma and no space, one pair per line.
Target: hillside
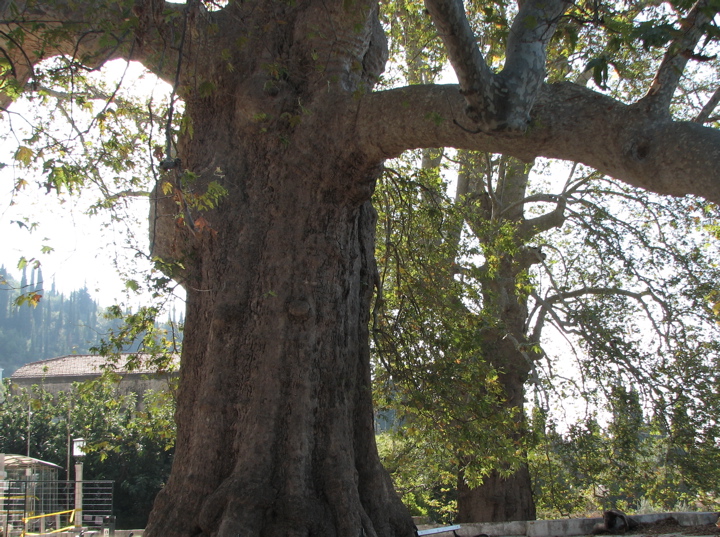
54,325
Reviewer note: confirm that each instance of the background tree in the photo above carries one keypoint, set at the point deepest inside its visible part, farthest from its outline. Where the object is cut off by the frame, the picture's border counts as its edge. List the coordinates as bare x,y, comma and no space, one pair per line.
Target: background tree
275,427
449,305
575,55
577,471
469,322
38,323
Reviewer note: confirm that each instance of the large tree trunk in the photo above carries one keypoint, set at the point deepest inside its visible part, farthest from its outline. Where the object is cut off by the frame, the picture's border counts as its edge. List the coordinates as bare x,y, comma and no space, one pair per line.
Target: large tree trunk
275,424
274,411
498,499
275,419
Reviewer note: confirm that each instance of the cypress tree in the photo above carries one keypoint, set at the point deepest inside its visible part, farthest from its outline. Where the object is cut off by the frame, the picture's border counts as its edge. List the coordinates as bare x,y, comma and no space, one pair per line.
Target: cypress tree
4,294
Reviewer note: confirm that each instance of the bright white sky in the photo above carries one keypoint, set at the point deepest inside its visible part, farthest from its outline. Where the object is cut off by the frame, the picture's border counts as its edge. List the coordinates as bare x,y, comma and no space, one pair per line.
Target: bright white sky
82,251
84,248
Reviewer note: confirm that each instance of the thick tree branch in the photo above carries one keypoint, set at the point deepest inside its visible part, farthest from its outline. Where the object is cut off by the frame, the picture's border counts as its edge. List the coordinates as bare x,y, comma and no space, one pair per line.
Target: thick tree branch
357,41
542,310
477,81
524,70
22,50
553,219
499,101
535,198
568,122
79,31
679,52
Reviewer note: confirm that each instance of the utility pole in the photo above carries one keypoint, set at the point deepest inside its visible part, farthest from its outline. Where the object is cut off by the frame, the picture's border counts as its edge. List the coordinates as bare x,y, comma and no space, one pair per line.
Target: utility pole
78,445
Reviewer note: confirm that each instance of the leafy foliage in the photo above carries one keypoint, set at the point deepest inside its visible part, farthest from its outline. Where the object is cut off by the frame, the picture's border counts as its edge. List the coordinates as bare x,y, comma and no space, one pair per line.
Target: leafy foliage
103,134
463,310
128,441
431,370
628,283
632,463
427,486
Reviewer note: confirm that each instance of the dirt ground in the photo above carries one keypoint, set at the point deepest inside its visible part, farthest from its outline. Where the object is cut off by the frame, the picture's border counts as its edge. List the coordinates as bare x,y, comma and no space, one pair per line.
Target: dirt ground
670,526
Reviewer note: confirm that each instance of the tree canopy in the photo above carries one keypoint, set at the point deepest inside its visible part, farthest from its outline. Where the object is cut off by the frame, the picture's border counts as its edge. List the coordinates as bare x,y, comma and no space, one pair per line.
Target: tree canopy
623,279
259,195
654,150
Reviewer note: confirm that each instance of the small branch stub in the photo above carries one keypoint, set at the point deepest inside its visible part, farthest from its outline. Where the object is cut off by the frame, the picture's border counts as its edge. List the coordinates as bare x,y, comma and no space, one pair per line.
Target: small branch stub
299,309
170,164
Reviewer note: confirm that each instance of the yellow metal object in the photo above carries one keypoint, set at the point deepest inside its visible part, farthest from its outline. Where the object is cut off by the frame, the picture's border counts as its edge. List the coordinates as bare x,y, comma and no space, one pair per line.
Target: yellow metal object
71,518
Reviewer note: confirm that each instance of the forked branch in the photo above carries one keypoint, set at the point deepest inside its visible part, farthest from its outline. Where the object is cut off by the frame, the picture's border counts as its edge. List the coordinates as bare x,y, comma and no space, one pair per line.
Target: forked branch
524,70
570,122
499,102
477,81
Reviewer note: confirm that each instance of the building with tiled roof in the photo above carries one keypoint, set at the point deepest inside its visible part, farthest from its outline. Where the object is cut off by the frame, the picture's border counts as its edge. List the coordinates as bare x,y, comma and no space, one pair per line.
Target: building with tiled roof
58,374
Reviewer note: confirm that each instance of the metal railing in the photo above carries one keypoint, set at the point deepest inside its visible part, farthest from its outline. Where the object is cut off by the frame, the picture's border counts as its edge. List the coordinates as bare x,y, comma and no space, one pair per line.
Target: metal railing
32,507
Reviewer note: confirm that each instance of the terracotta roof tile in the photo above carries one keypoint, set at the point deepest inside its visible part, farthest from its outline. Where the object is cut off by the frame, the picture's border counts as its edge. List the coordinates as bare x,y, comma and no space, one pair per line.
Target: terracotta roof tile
80,365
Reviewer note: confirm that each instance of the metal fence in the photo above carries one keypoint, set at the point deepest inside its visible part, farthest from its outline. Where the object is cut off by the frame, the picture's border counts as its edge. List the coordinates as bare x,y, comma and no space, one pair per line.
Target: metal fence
44,507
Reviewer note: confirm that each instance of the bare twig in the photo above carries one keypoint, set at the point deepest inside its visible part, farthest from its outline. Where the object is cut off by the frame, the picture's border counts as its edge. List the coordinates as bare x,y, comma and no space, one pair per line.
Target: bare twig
704,115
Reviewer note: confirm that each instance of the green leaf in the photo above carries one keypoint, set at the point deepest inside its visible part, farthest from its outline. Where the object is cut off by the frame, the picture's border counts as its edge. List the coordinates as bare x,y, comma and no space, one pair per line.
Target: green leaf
133,285
599,67
206,88
24,155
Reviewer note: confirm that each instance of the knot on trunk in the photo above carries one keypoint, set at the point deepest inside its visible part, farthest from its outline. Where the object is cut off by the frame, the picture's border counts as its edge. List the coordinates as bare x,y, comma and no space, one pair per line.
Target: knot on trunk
299,309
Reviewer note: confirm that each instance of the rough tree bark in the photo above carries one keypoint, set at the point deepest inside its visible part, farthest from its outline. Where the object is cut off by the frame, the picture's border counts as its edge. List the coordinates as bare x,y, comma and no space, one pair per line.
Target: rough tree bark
275,420
498,499
274,412
503,498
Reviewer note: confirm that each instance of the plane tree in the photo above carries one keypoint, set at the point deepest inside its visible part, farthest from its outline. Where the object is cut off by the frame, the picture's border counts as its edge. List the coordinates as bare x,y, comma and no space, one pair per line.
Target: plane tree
450,324
284,133
470,284
417,330
455,320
